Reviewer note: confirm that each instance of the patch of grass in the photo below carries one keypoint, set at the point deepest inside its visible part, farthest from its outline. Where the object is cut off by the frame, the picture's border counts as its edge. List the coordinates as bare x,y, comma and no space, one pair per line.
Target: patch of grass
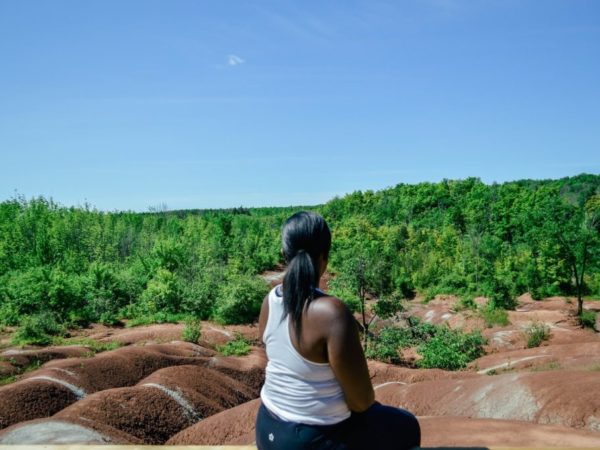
95,346
34,364
544,367
238,347
588,319
160,317
495,316
465,303
536,333
7,379
192,330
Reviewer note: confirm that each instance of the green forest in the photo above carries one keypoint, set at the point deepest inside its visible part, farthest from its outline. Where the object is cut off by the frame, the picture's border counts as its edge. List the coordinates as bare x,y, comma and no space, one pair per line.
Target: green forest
64,267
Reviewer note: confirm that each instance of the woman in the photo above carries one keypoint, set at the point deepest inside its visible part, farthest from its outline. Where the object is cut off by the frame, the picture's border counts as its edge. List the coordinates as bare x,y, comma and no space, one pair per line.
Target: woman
317,392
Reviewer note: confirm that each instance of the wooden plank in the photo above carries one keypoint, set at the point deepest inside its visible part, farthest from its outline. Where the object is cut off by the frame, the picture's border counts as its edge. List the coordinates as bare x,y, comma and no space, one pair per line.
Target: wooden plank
237,447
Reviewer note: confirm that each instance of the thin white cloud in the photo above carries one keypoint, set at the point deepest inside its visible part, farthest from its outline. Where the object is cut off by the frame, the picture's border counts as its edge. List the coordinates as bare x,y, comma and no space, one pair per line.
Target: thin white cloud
234,60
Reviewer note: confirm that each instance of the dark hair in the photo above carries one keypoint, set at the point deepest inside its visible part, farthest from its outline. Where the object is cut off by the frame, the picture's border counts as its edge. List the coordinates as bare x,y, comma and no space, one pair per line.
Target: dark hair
305,236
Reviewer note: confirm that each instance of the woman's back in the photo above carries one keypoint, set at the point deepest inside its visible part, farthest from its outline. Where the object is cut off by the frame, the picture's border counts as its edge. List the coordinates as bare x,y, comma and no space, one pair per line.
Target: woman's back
297,389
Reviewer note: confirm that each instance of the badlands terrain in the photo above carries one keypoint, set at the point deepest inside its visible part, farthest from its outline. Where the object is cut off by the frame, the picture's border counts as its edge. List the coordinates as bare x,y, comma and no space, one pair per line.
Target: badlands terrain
157,389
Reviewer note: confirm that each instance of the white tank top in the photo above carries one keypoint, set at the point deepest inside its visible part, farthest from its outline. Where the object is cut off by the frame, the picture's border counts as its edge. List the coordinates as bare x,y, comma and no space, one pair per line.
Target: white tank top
296,389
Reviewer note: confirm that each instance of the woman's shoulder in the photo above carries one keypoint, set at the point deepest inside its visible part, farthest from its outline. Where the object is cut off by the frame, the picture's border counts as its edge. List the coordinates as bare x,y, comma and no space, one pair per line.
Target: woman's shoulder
331,308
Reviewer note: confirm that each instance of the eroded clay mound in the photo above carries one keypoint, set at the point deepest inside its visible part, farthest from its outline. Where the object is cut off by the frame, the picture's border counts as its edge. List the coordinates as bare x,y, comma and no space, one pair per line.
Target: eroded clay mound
61,382
122,367
162,404
212,335
146,412
564,398
201,390
30,399
20,358
155,333
53,431
234,426
466,432
585,355
249,369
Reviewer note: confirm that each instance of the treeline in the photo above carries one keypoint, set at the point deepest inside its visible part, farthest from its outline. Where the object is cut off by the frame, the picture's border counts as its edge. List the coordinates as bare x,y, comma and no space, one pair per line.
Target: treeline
468,238
463,237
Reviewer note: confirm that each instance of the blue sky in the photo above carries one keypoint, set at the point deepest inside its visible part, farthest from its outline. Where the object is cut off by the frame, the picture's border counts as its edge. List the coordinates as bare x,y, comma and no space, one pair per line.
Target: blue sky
203,104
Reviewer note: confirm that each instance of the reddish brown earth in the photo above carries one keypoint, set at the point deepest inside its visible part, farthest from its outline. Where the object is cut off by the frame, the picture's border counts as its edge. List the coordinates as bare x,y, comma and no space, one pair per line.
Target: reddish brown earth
231,427
157,389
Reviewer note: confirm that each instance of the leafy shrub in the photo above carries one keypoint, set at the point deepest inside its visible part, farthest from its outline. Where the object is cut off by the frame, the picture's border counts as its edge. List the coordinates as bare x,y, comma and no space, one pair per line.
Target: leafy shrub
200,295
494,316
386,344
387,307
25,293
191,331
405,286
162,295
240,299
502,294
421,331
588,319
536,333
238,347
593,284
168,254
37,329
450,349
108,293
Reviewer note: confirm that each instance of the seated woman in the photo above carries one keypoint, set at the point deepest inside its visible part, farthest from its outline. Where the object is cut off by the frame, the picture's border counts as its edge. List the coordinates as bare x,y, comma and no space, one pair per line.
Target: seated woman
317,392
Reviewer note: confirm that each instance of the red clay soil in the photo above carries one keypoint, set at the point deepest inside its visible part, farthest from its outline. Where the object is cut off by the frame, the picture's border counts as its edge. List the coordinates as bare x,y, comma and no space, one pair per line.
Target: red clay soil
55,431
465,432
567,398
585,355
31,399
234,426
7,369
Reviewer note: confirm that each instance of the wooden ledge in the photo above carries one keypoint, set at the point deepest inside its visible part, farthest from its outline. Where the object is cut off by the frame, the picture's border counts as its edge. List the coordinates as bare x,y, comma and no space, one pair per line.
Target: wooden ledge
238,447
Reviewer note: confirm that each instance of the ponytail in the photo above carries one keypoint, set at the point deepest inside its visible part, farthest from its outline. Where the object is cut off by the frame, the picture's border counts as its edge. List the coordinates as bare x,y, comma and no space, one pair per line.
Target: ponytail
298,287
305,238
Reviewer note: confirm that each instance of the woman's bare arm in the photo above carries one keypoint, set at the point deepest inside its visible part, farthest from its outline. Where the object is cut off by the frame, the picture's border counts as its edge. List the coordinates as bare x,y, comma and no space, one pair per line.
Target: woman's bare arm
346,356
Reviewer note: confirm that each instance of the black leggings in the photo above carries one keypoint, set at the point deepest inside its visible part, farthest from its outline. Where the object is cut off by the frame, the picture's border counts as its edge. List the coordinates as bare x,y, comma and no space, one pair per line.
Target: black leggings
379,427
